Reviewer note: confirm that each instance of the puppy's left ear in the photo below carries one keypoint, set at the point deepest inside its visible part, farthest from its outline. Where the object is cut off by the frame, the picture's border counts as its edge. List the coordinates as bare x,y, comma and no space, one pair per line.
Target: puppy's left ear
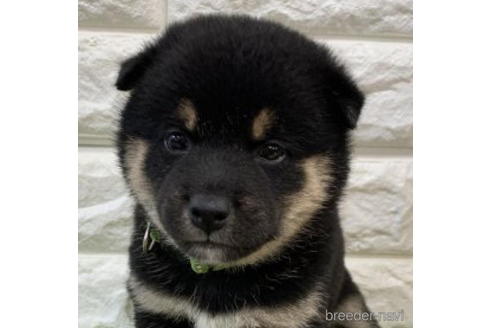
132,69
346,95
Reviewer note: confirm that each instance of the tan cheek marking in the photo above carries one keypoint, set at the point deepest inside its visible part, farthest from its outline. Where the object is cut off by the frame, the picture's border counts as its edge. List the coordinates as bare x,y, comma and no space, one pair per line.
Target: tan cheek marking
134,161
262,122
187,113
301,207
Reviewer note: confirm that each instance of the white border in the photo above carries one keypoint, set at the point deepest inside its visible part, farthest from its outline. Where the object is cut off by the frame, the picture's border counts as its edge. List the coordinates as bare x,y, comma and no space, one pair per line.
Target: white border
38,173
453,117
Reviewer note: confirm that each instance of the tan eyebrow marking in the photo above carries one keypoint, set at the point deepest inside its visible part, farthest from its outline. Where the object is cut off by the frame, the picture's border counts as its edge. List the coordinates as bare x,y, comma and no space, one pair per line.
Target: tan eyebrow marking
262,122
187,112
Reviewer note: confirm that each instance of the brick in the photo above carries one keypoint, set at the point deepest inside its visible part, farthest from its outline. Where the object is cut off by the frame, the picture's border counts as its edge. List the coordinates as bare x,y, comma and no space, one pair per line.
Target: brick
103,300
105,208
376,212
122,13
99,176
364,17
387,285
384,72
100,55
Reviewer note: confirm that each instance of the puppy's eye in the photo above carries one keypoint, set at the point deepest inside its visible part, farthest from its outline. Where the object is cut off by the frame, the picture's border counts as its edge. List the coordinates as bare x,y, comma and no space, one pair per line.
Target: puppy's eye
271,152
177,142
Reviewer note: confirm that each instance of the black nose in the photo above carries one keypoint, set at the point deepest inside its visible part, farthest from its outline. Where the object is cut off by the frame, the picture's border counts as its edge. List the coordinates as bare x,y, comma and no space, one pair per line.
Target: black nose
209,212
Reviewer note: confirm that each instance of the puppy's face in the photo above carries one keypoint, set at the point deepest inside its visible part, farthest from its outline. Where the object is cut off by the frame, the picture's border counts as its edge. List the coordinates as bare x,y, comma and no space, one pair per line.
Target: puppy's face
231,146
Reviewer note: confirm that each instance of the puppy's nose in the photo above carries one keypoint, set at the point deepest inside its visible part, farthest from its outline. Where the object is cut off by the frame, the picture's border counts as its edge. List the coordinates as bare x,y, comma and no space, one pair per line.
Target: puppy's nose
209,212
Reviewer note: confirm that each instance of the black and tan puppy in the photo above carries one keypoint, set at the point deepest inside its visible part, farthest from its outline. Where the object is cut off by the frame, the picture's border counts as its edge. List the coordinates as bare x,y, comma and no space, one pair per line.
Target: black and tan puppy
235,145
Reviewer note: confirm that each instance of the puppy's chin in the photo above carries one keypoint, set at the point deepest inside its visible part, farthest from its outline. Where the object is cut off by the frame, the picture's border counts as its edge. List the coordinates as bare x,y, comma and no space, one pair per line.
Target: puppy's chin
213,253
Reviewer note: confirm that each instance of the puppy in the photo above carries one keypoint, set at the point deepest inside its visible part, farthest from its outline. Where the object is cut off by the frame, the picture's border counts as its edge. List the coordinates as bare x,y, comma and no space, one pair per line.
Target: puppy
235,145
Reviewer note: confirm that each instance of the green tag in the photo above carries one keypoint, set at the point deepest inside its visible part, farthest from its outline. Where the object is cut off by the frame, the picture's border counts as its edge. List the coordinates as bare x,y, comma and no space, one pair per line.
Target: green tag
150,238
155,235
199,267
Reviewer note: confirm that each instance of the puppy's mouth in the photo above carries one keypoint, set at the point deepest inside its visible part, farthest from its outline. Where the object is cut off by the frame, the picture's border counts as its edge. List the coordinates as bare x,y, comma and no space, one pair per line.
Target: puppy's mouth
209,244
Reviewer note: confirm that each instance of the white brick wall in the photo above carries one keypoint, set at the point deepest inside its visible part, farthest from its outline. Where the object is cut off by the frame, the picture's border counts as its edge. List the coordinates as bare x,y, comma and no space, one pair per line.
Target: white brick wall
375,39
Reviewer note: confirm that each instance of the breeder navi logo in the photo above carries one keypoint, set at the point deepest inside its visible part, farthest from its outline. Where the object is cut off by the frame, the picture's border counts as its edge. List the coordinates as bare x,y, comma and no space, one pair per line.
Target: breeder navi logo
365,316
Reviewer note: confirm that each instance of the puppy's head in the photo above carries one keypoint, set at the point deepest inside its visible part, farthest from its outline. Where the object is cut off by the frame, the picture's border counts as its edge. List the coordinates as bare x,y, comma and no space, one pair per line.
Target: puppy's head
235,135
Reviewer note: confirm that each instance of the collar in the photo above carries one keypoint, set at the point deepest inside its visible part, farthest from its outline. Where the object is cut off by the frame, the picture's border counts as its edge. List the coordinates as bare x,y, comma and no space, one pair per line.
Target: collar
152,236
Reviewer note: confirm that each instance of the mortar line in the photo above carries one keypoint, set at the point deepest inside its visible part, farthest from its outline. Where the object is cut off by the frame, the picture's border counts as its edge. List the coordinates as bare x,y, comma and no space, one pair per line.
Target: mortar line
319,35
361,38
395,256
120,30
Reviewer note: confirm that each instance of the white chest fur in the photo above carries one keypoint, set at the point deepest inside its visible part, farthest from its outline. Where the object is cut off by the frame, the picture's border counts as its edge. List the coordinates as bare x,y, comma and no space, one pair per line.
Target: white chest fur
203,320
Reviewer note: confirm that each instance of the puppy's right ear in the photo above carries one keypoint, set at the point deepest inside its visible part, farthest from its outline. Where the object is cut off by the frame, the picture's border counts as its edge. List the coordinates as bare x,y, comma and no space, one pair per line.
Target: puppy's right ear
132,69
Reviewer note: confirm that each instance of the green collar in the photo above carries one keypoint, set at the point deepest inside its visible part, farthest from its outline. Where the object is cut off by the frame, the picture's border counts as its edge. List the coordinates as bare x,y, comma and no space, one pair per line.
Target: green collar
152,236
200,268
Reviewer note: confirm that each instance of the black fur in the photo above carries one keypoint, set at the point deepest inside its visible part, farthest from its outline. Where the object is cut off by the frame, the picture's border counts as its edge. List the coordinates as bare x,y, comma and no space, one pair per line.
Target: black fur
231,68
